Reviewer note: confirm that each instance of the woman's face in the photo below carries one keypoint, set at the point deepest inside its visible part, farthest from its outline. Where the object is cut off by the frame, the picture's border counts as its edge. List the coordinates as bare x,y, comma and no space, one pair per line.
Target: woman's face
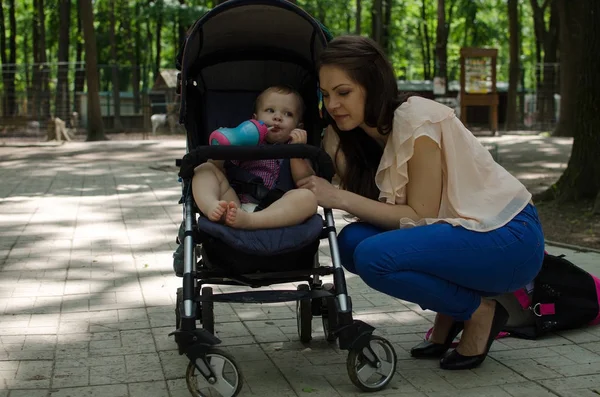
344,98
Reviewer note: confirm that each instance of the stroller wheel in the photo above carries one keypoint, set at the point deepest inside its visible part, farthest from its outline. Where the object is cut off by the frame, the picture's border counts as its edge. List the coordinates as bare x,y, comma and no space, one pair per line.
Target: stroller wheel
178,303
208,315
304,316
329,314
372,367
228,382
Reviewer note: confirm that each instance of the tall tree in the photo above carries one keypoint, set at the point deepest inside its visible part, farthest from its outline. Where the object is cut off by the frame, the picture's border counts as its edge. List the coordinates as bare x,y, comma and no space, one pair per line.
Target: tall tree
3,60
425,41
546,42
514,64
95,127
159,23
377,21
79,66
116,89
580,83
133,52
42,67
61,102
358,17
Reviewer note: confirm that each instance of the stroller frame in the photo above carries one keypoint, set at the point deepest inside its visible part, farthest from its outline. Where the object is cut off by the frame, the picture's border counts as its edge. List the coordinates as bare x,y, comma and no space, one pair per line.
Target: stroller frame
371,361
332,302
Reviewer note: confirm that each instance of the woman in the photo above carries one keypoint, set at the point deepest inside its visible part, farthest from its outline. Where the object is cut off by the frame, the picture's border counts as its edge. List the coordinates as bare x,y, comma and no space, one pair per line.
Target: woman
441,223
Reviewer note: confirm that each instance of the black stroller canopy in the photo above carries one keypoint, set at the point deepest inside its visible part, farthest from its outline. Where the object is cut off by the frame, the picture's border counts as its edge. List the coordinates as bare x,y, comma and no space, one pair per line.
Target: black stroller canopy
253,29
238,49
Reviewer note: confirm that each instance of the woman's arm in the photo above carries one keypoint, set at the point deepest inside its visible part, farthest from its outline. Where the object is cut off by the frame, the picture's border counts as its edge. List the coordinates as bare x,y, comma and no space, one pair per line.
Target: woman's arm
424,191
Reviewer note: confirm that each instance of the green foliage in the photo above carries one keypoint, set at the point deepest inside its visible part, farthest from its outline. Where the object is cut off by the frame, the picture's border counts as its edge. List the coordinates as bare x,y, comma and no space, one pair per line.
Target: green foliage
481,23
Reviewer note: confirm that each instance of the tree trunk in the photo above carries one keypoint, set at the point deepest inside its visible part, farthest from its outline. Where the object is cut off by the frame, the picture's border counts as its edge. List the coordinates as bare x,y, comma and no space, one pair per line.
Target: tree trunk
159,23
182,27
546,40
387,23
133,53
79,66
441,43
549,85
3,61
116,89
580,57
376,20
513,73
95,127
358,17
426,42
44,68
61,102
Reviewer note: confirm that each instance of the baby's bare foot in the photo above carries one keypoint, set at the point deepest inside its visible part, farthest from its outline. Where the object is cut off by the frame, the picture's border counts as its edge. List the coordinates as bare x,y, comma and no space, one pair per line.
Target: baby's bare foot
236,217
218,212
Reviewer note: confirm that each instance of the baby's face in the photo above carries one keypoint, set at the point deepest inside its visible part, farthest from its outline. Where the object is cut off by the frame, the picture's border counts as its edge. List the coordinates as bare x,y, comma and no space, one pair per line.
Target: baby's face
281,112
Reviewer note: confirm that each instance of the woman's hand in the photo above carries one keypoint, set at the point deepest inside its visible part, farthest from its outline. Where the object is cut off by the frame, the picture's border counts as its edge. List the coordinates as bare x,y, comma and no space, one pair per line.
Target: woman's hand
327,195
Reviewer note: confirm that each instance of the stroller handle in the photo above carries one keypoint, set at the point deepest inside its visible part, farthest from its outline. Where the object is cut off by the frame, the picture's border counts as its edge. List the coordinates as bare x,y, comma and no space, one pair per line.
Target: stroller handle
322,163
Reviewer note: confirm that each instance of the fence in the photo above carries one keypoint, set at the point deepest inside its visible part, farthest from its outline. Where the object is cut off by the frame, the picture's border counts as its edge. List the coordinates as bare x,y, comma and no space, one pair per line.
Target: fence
31,94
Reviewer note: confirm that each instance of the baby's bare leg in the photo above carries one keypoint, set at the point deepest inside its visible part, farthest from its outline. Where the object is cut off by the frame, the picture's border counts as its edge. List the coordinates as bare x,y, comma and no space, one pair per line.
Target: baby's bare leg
212,191
292,209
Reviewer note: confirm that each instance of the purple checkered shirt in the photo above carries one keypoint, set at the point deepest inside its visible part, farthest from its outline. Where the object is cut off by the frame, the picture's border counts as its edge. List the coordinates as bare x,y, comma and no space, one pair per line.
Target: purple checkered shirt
268,170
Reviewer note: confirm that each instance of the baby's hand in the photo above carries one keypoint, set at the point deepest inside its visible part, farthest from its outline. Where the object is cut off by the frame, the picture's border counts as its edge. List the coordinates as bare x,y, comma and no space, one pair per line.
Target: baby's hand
298,136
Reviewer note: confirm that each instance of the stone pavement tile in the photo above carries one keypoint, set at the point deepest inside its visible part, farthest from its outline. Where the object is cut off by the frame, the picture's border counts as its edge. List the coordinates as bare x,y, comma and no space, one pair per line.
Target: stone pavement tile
26,393
143,367
571,383
148,389
426,380
71,377
263,378
173,365
316,386
547,341
577,353
490,373
487,391
93,391
516,354
580,336
579,393
579,369
532,370
527,389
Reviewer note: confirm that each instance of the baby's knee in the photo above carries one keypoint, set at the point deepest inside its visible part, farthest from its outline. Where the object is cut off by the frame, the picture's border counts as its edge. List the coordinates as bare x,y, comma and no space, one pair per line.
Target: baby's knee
208,166
304,197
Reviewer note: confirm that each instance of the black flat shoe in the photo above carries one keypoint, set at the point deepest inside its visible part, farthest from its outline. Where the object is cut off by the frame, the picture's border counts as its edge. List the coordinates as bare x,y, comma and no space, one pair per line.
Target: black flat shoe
428,349
454,360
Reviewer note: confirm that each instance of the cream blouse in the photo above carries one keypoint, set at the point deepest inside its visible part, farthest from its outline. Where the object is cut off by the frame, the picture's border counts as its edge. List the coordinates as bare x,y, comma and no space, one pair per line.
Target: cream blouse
477,192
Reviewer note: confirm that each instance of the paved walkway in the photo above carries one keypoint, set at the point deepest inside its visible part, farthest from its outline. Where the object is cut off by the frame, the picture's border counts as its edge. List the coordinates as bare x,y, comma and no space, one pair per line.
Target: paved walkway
87,292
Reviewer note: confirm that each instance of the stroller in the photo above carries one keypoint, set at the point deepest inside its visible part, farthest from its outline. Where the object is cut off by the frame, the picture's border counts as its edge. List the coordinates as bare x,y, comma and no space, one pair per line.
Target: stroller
230,55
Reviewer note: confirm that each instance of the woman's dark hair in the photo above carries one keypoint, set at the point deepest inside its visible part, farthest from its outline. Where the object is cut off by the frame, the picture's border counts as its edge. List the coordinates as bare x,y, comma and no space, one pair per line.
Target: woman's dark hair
366,64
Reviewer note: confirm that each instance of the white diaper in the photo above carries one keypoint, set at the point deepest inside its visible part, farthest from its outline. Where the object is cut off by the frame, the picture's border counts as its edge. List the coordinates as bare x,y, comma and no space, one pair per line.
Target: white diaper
249,207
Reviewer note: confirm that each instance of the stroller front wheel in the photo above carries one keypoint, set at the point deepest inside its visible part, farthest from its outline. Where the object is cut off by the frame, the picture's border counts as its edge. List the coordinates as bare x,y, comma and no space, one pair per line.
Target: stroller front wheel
372,368
228,379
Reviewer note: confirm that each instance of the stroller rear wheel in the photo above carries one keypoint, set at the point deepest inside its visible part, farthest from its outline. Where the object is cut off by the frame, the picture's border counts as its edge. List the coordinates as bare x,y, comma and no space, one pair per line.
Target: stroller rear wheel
227,383
304,316
372,367
208,315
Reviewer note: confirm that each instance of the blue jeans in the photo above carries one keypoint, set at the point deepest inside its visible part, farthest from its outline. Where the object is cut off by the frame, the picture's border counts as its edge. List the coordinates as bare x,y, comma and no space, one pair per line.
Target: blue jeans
444,268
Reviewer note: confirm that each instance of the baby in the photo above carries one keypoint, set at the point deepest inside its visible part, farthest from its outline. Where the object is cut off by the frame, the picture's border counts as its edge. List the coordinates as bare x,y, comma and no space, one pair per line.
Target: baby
280,108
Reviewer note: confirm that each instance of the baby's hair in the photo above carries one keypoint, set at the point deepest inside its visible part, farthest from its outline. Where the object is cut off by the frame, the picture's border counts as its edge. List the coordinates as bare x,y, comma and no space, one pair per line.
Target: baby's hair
281,89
